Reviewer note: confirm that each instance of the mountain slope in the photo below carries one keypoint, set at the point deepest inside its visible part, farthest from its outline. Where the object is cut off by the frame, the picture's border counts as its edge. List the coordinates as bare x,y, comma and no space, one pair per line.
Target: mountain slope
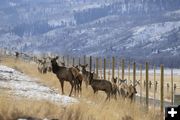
128,28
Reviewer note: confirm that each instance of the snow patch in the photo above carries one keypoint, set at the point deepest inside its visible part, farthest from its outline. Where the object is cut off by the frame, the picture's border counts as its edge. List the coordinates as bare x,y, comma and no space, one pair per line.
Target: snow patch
21,85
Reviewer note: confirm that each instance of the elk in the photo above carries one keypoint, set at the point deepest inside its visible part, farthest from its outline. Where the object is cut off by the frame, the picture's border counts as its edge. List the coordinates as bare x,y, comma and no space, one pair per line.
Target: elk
123,89
41,66
78,76
85,73
63,74
128,91
102,85
115,88
131,92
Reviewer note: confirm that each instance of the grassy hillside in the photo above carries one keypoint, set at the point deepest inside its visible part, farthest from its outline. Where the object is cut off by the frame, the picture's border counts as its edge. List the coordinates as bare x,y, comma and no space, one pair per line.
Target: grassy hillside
91,107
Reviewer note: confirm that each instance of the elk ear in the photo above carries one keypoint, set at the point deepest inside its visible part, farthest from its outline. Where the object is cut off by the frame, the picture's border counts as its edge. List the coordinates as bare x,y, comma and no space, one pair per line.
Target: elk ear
80,65
86,65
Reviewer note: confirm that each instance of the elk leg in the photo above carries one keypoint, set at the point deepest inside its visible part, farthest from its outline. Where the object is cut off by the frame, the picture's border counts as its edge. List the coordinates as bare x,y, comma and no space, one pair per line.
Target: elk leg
76,86
81,87
62,86
72,86
107,96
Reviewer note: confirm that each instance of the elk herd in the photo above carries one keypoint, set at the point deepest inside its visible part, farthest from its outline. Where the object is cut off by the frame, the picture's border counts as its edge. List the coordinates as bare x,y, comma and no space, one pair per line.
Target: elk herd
75,75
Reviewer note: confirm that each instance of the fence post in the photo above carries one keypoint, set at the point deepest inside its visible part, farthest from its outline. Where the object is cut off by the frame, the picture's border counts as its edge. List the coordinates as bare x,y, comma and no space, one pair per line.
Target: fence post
113,66
105,68
63,59
109,65
67,60
73,61
118,68
97,66
134,73
129,71
79,60
90,64
154,84
172,90
84,59
140,83
100,67
147,90
162,88
122,65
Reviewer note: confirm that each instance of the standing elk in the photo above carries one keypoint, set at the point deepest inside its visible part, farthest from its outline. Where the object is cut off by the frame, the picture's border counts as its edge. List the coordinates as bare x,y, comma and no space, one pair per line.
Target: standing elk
131,92
41,66
127,91
86,74
115,89
63,74
78,76
102,85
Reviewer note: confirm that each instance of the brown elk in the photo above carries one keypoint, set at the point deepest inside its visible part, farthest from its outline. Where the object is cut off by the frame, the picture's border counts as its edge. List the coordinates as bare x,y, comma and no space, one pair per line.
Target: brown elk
78,76
85,73
41,66
102,85
131,92
115,89
63,74
127,91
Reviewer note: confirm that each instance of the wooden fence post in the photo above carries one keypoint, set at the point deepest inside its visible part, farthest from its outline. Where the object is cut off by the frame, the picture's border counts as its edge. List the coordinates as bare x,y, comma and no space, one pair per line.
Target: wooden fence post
90,64
100,67
73,61
147,90
122,65
154,85
140,83
129,71
109,67
172,90
97,67
162,88
105,68
67,60
63,59
134,73
118,68
84,59
79,60
113,66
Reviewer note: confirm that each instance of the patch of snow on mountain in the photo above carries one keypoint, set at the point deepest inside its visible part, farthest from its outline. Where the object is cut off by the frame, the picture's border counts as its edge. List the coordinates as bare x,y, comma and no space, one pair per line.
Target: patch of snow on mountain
150,33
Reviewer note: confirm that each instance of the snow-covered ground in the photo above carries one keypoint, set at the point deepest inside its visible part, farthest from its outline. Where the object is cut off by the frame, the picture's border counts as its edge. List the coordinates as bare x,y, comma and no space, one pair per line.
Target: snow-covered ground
21,85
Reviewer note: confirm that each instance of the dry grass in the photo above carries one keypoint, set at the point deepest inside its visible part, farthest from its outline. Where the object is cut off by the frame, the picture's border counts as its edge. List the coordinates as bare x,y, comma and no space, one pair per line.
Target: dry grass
91,107
14,108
